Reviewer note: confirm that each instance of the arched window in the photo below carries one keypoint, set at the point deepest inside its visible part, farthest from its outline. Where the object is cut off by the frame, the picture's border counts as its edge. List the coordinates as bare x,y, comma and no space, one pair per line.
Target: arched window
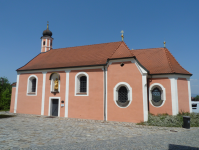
157,95
122,94
83,81
32,85
44,42
81,84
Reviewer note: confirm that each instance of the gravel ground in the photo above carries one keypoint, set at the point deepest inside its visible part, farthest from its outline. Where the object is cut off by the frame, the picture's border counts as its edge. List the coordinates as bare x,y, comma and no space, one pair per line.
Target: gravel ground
39,132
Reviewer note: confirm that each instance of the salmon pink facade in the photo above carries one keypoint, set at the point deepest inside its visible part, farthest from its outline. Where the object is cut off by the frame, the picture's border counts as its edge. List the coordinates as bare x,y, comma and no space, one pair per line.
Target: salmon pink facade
101,82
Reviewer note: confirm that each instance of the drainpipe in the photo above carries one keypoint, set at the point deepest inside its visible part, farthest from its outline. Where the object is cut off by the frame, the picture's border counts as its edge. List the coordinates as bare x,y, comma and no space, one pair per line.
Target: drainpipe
148,82
105,94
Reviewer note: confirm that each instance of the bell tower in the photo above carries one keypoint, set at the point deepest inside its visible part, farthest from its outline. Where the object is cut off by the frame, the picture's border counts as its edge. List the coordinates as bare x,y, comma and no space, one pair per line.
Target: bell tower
46,40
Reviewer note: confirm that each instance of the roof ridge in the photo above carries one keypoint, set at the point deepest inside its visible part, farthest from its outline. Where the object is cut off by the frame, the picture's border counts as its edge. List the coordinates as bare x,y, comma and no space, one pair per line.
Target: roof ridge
176,60
86,45
128,49
169,61
148,48
115,50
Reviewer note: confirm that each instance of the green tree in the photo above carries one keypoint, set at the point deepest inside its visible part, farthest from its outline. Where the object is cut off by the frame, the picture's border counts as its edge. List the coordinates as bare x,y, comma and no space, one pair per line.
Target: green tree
197,98
5,94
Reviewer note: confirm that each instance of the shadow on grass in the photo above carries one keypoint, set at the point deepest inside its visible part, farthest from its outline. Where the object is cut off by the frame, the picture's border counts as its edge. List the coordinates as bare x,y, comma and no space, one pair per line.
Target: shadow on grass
2,116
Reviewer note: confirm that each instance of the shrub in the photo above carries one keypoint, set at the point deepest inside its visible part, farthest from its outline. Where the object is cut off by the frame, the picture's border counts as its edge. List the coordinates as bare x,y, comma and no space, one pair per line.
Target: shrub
165,120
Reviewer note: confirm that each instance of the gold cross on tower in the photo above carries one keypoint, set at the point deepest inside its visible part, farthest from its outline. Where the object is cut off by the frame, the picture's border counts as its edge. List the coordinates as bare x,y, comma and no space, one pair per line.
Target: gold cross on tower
164,44
122,35
47,24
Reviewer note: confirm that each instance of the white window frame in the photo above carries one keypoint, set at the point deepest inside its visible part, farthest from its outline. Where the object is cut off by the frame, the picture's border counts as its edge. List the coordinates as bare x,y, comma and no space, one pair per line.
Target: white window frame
52,84
77,83
163,93
29,84
115,92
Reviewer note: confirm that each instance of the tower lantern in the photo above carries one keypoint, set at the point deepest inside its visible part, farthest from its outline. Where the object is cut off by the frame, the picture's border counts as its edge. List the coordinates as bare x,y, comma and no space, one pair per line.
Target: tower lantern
46,40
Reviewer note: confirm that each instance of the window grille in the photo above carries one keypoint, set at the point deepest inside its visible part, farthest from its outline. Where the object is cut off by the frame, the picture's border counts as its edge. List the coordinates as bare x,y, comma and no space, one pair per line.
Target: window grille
83,84
33,85
156,95
122,94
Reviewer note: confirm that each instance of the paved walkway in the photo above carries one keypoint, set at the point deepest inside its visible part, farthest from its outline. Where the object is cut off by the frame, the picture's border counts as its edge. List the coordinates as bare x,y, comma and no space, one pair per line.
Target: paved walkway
39,132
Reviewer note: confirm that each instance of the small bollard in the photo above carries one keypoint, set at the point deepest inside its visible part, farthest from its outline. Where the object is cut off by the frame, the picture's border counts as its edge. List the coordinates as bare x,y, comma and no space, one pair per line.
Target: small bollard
186,122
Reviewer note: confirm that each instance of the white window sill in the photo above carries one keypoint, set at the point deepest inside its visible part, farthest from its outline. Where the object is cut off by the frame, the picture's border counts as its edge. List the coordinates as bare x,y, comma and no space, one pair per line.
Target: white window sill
31,93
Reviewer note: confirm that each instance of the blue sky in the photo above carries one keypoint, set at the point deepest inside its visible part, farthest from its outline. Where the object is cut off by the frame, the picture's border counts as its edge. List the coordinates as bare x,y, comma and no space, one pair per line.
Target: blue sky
83,22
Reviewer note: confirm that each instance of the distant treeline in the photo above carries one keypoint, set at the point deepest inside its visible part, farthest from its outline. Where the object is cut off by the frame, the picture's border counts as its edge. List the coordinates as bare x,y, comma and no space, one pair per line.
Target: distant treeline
5,94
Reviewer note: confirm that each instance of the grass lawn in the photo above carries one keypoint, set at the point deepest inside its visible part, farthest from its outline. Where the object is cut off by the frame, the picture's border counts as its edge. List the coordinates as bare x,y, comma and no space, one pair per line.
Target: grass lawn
165,120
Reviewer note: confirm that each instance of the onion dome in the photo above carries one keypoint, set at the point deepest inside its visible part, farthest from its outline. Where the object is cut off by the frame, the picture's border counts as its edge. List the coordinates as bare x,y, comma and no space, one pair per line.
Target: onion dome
47,32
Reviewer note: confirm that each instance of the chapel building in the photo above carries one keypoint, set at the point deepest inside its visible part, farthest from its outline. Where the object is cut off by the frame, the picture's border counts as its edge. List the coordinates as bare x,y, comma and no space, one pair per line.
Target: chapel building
101,82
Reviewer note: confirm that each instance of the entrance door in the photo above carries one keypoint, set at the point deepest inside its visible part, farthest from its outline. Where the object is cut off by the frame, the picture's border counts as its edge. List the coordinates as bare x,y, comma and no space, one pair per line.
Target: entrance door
55,107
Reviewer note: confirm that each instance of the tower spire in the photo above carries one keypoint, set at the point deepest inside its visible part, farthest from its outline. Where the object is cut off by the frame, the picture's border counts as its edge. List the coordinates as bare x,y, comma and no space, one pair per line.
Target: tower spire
122,35
47,24
164,44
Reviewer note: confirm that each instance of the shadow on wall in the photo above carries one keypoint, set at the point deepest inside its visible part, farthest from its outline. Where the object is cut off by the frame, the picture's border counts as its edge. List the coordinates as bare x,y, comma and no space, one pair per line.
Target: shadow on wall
180,147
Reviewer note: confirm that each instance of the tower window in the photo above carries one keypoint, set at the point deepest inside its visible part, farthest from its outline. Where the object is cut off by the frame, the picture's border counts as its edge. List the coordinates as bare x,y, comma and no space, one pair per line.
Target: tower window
44,42
51,43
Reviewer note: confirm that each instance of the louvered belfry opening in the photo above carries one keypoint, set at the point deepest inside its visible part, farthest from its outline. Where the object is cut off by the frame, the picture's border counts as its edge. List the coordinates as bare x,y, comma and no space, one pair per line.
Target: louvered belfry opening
33,85
122,94
156,95
83,82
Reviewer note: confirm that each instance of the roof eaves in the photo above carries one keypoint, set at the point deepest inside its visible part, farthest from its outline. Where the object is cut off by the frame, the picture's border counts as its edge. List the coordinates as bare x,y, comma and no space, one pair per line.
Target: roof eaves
177,61
171,74
29,61
64,67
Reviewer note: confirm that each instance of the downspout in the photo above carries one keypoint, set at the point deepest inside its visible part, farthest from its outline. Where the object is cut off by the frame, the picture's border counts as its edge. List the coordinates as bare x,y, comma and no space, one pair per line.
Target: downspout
105,94
148,83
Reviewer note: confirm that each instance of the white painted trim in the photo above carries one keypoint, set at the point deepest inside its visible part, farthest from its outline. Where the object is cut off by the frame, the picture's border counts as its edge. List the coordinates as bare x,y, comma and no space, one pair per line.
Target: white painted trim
120,60
174,95
67,92
144,88
41,44
50,101
103,94
115,92
16,94
87,88
141,69
163,93
170,76
189,94
144,93
28,82
63,69
106,94
43,93
45,45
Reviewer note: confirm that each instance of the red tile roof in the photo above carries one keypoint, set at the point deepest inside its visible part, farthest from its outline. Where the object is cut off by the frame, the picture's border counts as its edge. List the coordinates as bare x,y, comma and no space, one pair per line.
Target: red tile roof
88,55
155,60
159,61
14,84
